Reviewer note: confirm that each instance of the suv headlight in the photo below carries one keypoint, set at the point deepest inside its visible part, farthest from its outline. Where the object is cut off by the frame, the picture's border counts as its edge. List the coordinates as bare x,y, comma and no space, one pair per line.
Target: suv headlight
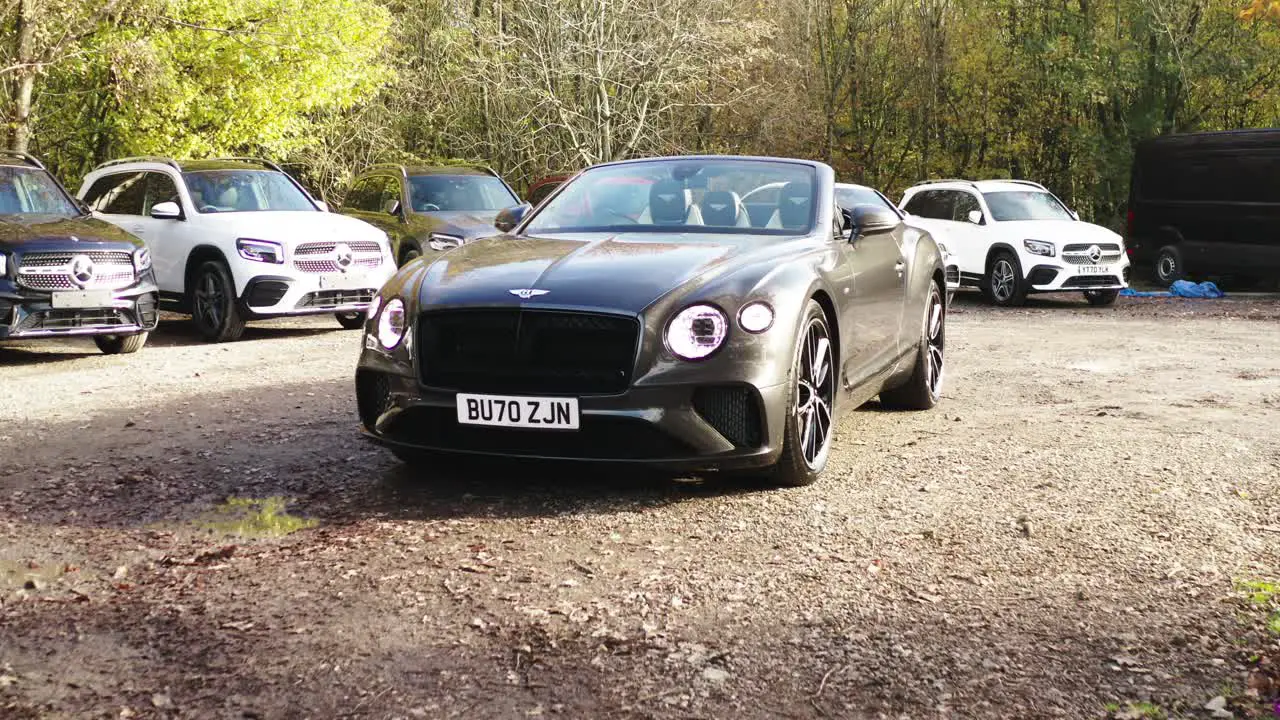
391,324
260,250
1038,247
697,331
141,259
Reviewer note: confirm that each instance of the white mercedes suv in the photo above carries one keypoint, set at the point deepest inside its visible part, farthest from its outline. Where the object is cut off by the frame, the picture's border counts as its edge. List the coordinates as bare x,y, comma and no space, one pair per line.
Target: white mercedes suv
238,239
1014,237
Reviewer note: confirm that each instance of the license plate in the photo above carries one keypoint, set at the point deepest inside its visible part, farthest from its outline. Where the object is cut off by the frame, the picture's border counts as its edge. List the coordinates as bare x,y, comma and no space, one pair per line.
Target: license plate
81,299
1095,270
518,412
342,281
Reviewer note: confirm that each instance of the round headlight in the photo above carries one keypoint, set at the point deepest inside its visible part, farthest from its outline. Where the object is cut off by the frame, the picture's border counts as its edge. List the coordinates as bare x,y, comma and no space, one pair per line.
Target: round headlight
755,317
697,331
391,323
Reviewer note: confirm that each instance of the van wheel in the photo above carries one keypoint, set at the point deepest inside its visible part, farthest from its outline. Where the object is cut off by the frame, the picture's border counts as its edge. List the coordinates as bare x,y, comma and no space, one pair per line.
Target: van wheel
1004,285
213,303
1169,268
120,344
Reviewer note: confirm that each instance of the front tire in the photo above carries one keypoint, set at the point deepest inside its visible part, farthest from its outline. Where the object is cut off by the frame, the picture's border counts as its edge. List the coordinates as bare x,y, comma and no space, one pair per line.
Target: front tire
924,388
1101,298
810,422
410,255
350,321
1169,267
120,344
1004,285
213,303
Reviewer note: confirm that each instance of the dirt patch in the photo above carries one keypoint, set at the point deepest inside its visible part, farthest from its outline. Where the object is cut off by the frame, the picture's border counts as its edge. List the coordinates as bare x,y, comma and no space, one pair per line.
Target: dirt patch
1061,538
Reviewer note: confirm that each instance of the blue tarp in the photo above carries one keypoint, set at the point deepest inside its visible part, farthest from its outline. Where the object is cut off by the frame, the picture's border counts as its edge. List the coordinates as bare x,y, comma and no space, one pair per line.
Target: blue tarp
1182,289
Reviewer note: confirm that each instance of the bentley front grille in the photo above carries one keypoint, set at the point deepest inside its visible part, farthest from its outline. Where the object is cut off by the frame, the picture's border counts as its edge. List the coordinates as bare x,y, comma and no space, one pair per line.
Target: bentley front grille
513,350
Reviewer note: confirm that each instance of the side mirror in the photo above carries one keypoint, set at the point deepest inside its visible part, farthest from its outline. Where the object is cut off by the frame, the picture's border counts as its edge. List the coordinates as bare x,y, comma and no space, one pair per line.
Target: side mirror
508,219
975,217
872,220
846,223
1074,215
391,207
322,205
166,211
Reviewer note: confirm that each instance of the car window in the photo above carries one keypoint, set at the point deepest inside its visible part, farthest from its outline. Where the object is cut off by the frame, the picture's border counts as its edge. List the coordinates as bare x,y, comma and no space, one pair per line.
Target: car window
935,204
160,189
448,193
121,194
964,204
363,195
1013,205
223,191
683,195
540,193
852,196
25,190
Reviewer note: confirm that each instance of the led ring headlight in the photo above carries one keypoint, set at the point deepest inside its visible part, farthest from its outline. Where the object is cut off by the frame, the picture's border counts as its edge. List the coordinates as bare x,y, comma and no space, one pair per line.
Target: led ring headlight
697,331
391,324
755,317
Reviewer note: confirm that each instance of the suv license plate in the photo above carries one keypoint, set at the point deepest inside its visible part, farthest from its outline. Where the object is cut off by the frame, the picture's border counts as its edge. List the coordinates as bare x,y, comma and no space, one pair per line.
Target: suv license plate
1095,270
518,412
81,299
342,281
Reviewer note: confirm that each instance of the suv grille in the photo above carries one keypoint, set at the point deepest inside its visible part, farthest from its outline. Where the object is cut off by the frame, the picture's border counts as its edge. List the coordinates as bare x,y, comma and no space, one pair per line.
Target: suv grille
74,319
335,298
48,271
323,257
527,351
1089,281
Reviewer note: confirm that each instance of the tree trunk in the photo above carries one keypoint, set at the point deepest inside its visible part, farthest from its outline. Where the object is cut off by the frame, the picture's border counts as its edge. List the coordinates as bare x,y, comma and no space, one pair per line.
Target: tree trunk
24,45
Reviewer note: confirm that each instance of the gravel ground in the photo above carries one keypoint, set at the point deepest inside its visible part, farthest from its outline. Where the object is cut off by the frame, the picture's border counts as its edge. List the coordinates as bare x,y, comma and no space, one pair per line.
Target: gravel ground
1059,537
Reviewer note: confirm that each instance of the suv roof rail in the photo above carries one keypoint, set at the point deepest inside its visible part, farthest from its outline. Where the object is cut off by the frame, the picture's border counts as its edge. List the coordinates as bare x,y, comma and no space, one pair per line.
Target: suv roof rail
946,180
265,163
25,157
142,158
389,166
1028,182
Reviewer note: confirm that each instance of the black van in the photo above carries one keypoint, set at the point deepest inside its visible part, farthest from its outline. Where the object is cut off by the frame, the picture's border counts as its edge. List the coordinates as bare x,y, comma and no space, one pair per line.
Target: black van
1207,204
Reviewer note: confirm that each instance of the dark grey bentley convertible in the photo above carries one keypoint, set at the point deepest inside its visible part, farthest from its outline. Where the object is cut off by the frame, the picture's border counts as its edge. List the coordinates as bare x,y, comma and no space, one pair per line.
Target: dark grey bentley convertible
694,313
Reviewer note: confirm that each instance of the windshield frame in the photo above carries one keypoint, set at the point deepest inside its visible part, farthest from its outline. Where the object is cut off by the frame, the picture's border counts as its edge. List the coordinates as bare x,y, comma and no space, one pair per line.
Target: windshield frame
186,186
513,198
1056,202
816,185
77,208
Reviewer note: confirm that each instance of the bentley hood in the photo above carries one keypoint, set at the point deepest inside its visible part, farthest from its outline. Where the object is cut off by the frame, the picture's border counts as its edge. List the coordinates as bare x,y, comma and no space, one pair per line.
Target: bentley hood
42,233
598,271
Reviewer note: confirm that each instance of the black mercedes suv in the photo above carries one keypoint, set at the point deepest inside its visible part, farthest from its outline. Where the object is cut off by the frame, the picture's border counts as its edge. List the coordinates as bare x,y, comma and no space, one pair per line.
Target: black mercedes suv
64,273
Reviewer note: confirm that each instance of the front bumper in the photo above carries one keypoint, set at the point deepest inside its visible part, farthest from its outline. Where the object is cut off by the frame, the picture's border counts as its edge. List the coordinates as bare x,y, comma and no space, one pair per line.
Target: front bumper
689,427
312,293
1053,275
28,314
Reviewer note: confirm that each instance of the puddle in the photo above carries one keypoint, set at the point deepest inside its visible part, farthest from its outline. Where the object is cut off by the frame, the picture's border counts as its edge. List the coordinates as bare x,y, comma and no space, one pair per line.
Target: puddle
249,517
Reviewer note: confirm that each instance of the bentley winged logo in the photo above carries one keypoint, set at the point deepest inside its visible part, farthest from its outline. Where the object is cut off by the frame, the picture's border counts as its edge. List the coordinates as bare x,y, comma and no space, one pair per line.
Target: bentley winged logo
526,293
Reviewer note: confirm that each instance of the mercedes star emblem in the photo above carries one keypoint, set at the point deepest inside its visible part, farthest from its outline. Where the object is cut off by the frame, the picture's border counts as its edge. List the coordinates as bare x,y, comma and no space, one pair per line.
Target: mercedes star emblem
1095,253
82,270
343,256
526,293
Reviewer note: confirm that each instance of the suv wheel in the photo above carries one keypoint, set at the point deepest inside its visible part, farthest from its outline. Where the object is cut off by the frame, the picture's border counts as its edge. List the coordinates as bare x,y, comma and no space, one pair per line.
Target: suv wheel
410,255
1004,284
1099,298
213,303
1169,267
120,344
350,321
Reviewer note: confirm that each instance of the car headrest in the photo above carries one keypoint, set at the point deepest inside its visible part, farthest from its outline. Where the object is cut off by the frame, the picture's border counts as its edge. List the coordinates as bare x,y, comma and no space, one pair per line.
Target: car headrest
669,203
721,207
228,197
794,205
